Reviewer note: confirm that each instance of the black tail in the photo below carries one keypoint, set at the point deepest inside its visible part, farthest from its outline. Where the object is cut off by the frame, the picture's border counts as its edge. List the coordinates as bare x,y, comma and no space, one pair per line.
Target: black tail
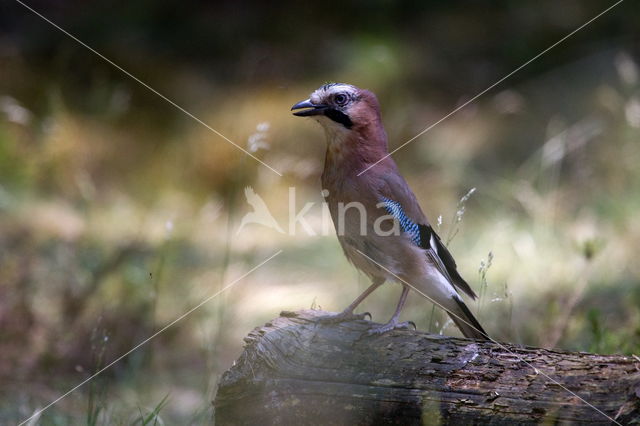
467,323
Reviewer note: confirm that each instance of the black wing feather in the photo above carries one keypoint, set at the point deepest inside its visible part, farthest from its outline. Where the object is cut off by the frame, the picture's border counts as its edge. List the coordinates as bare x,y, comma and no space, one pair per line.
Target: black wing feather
422,235
426,231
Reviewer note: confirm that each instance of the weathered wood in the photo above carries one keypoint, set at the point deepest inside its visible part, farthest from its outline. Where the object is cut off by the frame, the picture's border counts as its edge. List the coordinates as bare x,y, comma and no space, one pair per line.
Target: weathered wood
297,371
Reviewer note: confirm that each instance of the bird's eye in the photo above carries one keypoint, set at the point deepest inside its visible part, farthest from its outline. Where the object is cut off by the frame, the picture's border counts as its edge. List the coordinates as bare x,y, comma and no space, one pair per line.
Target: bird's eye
340,99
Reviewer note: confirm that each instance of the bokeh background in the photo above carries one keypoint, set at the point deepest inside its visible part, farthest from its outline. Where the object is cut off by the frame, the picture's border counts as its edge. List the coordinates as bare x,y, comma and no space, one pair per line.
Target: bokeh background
118,212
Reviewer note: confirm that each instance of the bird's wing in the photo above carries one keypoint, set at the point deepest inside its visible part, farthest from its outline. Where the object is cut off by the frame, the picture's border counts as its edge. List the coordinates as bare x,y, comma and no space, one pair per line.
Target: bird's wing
442,258
400,202
255,200
249,193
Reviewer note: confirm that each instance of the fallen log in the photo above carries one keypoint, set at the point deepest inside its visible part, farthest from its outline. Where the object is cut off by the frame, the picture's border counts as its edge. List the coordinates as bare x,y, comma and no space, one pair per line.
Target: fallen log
295,370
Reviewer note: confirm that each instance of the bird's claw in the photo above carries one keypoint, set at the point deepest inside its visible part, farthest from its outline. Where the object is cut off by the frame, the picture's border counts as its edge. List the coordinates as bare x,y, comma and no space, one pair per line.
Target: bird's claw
391,326
342,317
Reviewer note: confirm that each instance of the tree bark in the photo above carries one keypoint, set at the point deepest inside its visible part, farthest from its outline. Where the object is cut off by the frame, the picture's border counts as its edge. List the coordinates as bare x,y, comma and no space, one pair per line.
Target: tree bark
295,370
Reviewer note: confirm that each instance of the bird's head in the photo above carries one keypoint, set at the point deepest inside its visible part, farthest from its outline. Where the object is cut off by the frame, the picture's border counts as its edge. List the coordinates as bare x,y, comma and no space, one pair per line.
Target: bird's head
340,107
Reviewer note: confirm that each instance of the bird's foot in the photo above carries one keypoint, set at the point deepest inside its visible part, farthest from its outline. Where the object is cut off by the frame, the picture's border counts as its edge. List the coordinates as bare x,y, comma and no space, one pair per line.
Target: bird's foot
391,325
342,317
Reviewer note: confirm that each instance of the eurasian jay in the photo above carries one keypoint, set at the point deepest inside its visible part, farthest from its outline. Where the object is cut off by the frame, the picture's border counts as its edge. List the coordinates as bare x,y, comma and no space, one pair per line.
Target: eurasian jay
380,225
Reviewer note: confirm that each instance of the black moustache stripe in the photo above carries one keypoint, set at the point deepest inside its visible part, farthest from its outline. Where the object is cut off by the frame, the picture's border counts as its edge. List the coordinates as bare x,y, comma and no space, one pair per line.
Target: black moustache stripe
339,117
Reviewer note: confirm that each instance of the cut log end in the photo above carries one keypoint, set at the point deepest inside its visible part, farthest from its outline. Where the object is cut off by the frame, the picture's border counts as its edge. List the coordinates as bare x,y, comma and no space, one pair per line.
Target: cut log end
295,370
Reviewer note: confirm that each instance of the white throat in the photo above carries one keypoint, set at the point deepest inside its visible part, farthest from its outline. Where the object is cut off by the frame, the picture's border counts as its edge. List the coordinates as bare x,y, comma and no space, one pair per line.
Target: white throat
336,133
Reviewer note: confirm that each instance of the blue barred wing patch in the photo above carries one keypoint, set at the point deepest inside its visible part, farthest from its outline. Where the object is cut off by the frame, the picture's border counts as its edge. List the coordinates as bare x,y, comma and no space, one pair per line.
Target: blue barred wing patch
410,227
424,236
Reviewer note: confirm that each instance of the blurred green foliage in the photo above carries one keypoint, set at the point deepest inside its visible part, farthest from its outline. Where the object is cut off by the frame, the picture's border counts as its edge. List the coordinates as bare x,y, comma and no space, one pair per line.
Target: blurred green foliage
118,213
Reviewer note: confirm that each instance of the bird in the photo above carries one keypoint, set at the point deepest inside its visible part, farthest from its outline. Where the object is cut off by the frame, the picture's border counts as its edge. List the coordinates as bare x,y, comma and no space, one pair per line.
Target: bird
379,223
260,214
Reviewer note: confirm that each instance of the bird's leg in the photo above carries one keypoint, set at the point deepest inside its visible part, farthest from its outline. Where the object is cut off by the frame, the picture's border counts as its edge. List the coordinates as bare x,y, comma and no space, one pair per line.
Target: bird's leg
393,322
348,314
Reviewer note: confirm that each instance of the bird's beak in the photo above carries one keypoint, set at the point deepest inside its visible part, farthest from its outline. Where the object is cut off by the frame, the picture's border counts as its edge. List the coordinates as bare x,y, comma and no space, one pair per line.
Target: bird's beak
313,109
